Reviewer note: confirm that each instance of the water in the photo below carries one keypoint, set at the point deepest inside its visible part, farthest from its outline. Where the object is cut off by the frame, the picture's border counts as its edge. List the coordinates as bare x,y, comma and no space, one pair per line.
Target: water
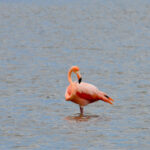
40,41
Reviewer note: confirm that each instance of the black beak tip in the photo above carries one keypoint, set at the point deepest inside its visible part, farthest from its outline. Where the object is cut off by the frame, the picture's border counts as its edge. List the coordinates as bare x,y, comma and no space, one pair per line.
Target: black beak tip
80,80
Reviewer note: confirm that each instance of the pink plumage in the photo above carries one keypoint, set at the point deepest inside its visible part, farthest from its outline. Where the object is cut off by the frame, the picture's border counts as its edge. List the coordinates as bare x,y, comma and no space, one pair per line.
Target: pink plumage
83,93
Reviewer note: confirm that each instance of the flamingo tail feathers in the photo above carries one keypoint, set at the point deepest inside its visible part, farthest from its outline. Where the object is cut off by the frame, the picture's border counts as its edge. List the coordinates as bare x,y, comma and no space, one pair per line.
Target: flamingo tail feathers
107,99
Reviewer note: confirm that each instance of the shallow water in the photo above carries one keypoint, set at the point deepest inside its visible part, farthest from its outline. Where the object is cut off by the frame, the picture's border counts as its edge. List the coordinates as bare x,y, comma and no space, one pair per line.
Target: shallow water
39,41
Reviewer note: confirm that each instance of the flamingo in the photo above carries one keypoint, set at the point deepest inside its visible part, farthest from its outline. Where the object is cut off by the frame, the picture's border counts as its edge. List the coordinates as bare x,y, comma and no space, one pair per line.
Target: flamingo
83,93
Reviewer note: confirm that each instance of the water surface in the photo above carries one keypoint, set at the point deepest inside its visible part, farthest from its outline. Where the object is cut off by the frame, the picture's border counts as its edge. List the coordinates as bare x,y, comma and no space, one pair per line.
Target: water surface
108,40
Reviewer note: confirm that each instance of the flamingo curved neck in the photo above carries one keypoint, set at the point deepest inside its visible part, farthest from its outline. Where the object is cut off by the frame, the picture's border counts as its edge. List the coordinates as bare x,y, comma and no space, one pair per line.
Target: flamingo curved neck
69,76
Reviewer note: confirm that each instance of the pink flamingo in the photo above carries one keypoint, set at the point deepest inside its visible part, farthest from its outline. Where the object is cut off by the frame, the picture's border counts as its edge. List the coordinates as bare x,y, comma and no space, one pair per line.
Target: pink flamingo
83,93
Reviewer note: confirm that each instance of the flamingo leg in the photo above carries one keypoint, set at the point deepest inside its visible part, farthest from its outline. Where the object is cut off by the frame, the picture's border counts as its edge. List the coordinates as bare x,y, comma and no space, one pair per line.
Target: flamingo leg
81,110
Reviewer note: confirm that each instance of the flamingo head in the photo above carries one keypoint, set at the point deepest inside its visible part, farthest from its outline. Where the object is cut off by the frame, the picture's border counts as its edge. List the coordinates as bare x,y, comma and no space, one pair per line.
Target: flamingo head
76,70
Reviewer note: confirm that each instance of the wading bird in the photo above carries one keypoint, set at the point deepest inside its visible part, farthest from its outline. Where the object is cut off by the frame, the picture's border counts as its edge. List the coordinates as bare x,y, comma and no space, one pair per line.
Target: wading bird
83,93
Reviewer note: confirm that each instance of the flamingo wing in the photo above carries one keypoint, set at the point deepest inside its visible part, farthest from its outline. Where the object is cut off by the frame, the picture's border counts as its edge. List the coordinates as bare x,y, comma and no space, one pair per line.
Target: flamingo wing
88,92
91,93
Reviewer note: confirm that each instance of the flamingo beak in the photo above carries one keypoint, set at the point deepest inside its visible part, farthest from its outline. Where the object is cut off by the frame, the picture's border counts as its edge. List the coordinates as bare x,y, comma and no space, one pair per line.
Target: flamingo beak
79,76
80,80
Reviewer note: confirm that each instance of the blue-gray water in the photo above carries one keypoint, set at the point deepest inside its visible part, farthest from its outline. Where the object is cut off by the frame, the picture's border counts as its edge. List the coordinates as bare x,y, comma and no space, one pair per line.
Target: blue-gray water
41,40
